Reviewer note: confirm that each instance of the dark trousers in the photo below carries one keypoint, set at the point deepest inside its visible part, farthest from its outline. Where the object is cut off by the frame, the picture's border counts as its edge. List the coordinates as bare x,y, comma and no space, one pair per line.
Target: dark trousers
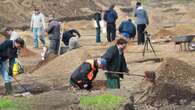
141,36
111,32
54,46
98,32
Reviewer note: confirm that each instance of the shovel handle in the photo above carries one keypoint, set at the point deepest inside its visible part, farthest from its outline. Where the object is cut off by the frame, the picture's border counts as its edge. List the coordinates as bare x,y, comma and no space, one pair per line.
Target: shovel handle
124,73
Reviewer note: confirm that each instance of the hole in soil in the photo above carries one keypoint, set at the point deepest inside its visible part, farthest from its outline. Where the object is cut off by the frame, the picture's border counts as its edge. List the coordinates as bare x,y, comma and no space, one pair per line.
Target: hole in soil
32,88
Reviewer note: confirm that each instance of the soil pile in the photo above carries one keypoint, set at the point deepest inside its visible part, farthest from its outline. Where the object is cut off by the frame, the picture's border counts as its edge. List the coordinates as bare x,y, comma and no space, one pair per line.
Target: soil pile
173,83
163,33
25,52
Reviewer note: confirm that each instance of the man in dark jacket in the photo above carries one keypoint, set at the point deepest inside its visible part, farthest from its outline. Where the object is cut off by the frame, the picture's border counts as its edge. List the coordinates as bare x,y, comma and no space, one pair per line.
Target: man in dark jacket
98,18
54,35
9,51
110,17
83,76
127,29
142,21
115,62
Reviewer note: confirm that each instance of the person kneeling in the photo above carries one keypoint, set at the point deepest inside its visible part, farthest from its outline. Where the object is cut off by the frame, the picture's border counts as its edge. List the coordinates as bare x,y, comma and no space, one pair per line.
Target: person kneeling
83,76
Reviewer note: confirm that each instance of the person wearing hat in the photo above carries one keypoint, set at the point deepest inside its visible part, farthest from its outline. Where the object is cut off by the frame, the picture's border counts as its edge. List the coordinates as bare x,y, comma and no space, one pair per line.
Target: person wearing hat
53,31
116,62
84,75
8,51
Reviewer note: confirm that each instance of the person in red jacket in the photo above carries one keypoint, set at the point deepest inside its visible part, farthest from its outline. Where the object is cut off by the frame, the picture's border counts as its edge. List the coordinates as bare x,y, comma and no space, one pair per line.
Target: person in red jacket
83,76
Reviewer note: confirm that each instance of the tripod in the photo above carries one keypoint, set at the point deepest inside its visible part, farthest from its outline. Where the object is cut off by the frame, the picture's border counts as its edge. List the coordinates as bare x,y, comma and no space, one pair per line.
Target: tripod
147,44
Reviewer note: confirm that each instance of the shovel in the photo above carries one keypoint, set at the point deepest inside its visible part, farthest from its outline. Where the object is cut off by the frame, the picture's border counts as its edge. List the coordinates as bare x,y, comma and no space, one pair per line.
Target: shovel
150,75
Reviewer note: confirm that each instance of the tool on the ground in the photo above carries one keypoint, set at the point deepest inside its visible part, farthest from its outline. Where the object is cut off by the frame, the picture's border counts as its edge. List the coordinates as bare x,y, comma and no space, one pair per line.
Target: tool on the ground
124,73
44,53
149,75
61,36
148,43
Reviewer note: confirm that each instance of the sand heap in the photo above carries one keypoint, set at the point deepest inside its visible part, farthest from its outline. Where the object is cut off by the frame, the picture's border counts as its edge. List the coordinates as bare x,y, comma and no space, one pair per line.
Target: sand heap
25,52
174,83
163,34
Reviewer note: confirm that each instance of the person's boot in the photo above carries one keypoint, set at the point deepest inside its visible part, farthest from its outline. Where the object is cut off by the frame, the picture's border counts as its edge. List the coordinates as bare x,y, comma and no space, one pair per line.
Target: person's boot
8,88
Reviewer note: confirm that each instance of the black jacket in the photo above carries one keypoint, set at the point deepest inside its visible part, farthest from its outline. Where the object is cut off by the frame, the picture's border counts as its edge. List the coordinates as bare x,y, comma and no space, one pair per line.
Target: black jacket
81,73
7,50
69,34
98,18
115,61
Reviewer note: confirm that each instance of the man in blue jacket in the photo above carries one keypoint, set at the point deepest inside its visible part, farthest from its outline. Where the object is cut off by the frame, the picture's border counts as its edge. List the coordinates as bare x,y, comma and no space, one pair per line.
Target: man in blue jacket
110,17
9,51
141,21
127,29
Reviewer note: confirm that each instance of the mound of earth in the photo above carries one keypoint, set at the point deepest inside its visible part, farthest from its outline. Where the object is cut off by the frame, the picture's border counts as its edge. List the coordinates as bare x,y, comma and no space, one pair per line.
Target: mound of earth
174,84
25,52
12,12
163,33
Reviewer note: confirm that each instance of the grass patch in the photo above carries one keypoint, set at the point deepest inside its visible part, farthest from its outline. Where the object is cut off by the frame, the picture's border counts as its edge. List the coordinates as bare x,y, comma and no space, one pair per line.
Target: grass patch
101,102
8,104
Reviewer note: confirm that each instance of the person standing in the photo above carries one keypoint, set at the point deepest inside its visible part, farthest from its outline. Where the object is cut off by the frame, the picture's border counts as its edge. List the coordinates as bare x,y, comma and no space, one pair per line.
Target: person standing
142,21
53,31
116,62
110,17
98,18
38,27
127,29
8,51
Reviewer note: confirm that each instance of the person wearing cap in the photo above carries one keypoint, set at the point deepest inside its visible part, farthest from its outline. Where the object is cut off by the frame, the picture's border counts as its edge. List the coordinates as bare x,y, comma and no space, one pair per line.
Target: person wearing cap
142,21
8,51
37,26
116,62
53,31
84,75
127,29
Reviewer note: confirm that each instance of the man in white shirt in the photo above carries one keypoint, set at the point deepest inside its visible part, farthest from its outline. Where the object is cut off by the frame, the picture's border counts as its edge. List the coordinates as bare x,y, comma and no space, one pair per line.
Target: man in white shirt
38,27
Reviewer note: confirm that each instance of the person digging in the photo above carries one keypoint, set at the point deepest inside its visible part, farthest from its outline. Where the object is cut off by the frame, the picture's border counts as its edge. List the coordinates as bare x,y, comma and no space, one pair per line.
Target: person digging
84,75
116,62
8,51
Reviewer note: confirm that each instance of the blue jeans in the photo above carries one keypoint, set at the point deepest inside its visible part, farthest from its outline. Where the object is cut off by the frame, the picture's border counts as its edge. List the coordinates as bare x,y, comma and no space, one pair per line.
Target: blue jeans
4,71
98,38
38,33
